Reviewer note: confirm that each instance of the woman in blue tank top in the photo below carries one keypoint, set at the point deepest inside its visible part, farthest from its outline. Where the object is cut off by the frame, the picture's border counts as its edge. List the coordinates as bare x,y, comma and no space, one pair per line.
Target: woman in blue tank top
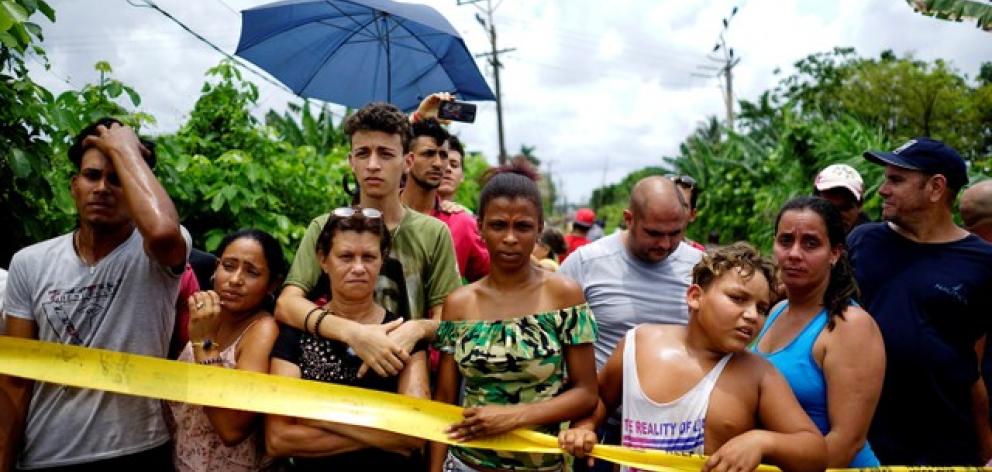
828,348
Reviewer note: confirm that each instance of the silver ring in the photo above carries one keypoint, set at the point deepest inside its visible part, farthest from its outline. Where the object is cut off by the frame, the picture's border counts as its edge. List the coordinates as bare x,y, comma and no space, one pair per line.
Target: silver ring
199,305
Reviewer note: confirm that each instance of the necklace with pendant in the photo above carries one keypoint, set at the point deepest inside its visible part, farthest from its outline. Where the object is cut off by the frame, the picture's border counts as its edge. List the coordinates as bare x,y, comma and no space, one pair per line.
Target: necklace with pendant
75,247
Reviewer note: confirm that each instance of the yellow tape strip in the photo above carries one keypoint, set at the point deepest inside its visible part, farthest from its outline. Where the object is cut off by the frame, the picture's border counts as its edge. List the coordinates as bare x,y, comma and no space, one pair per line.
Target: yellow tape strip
235,389
229,388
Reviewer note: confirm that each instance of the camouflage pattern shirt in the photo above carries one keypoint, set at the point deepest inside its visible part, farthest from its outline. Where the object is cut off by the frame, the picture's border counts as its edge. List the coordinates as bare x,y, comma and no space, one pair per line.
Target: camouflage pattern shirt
516,360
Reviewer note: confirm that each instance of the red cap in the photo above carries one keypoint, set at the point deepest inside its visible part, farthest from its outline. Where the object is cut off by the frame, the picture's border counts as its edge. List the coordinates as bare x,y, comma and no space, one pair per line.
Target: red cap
585,217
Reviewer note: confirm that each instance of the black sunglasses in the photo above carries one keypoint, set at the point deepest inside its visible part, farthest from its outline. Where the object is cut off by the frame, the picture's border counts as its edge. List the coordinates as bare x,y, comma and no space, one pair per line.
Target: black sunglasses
683,180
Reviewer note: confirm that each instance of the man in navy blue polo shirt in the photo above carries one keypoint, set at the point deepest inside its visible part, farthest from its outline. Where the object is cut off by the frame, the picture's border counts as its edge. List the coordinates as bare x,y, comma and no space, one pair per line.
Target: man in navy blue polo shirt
928,283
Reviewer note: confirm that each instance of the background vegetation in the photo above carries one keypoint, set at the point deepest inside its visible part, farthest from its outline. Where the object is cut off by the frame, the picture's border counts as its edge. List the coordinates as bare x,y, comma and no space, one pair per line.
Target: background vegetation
833,107
224,168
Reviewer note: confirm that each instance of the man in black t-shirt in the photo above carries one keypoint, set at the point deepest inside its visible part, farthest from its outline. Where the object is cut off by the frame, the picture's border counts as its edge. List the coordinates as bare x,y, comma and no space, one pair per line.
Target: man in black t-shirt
928,284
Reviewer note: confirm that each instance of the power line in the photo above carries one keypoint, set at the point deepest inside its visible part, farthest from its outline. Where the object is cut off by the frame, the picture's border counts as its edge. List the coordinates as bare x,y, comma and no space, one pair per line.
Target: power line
47,69
222,2
232,58
489,25
726,68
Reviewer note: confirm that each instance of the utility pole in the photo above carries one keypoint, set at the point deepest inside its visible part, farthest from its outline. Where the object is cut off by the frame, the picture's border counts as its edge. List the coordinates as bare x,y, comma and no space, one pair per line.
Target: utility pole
490,26
725,69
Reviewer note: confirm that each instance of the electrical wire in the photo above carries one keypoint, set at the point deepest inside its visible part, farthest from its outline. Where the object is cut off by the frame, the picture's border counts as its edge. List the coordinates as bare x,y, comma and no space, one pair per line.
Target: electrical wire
232,58
49,71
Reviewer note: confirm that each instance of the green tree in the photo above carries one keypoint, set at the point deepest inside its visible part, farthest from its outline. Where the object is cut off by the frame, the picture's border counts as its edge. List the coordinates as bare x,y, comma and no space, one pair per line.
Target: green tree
226,171
474,167
985,74
24,149
909,98
36,129
832,108
956,10
904,96
300,127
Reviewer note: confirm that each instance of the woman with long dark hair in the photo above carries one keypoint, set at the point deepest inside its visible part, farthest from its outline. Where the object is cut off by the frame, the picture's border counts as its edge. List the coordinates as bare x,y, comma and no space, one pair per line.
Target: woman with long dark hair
827,347
230,326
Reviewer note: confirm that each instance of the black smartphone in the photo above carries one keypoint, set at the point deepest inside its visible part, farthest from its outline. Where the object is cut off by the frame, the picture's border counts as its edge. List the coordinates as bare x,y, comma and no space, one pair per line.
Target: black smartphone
457,111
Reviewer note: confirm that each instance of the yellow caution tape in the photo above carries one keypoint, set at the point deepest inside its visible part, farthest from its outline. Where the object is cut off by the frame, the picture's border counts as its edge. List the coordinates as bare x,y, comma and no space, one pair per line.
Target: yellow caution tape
236,389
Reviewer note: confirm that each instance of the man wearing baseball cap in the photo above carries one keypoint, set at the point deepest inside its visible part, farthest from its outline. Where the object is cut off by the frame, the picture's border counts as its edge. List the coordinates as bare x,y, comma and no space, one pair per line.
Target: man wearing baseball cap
584,219
842,186
927,283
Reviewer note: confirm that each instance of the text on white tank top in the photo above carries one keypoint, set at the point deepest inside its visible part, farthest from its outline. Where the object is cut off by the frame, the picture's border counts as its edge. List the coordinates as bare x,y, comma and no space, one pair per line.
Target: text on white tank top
676,426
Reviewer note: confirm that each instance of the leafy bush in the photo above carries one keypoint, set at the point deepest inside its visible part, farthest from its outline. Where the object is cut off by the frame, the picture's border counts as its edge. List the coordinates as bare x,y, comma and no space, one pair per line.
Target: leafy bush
830,110
225,170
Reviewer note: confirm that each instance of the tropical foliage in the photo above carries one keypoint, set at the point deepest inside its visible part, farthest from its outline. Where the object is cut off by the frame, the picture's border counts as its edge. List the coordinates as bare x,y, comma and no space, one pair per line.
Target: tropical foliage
832,108
474,167
956,10
223,168
36,125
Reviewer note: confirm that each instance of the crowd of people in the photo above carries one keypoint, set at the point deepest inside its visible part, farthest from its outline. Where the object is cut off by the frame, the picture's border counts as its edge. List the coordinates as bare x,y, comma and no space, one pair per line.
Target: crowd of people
856,344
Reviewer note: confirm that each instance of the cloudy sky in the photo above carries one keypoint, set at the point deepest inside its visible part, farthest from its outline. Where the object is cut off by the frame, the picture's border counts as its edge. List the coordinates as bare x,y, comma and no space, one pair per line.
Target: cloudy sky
600,88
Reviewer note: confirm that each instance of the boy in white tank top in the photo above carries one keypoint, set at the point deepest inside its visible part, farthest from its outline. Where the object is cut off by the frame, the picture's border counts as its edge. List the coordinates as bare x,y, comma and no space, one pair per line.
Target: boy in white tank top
697,390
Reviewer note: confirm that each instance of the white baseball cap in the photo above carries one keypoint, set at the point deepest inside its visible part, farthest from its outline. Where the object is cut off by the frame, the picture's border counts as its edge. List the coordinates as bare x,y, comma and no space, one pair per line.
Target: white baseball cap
840,176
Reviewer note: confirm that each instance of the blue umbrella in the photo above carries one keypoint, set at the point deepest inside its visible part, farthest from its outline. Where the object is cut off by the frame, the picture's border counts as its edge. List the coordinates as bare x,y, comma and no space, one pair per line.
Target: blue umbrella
353,52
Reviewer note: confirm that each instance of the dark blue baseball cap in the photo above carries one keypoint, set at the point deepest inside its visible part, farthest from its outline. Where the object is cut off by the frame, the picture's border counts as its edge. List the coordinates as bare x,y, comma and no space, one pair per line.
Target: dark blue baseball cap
928,156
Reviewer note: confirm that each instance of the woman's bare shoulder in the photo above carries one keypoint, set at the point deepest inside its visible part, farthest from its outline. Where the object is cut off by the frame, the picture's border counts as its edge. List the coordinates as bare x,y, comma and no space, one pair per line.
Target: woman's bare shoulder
461,303
856,329
265,327
566,291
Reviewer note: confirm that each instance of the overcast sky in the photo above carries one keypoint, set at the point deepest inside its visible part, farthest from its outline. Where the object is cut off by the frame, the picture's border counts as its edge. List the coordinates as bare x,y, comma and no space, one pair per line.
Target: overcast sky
600,88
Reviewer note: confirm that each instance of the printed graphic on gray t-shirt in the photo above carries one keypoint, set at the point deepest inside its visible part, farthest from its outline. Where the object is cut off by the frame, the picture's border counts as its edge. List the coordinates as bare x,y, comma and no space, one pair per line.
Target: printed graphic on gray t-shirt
126,302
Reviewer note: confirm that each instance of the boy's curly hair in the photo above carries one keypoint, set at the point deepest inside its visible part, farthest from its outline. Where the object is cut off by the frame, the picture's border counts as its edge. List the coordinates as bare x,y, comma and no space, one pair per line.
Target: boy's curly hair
739,255
379,116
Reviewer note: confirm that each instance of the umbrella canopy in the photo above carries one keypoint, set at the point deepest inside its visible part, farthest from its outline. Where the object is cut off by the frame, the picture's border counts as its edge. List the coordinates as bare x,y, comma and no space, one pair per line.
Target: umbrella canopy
353,52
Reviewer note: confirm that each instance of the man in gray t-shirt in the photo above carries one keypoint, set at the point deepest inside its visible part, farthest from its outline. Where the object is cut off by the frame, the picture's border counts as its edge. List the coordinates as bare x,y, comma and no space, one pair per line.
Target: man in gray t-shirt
111,284
636,276
639,275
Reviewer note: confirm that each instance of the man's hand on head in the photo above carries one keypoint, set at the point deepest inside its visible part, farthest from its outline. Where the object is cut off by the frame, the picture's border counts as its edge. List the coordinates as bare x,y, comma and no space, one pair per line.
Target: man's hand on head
115,138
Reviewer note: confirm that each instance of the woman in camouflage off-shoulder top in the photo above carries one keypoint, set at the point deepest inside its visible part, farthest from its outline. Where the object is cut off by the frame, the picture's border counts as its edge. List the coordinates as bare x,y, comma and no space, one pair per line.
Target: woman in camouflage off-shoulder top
510,336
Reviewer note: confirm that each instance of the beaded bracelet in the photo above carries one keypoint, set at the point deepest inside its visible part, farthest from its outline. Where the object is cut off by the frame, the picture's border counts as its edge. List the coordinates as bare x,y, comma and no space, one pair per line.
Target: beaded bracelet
320,319
212,361
306,320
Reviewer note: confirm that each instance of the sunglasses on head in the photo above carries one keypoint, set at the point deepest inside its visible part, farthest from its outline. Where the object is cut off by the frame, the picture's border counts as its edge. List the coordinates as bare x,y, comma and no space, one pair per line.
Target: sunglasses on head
683,180
348,212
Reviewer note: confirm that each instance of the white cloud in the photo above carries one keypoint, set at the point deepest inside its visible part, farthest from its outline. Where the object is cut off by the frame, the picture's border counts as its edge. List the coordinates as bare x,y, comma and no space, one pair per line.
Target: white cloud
593,85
